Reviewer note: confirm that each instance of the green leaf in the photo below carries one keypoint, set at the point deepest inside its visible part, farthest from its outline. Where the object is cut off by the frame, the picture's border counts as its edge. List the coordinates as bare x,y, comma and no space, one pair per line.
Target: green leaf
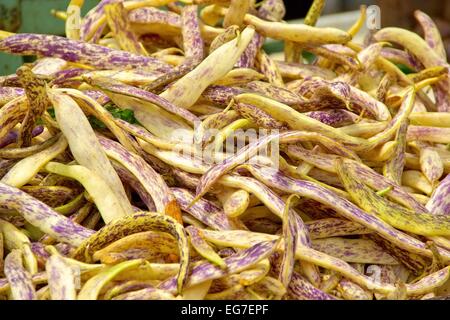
308,56
51,112
95,123
124,114
404,68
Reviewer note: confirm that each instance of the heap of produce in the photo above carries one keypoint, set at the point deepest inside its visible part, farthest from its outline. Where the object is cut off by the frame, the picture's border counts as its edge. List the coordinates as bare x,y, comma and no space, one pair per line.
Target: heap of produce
157,151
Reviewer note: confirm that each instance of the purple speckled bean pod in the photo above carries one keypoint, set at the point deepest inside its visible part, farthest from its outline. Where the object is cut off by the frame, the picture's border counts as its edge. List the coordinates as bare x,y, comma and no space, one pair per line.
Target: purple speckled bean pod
434,40
443,105
203,210
152,182
21,285
221,95
309,85
148,293
123,288
235,264
186,179
317,210
354,250
186,91
378,182
292,237
423,52
203,248
334,227
204,132
117,18
247,59
37,278
383,87
385,273
9,93
135,223
77,51
98,34
176,73
131,180
422,223
334,96
98,96
318,159
40,253
431,164
64,77
117,87
430,134
258,116
13,135
393,168
334,117
400,56
332,56
272,10
193,46
229,34
349,94
412,261
64,248
11,114
439,202
42,216
431,33
277,206
301,289
192,39
148,245
35,91
48,67
277,93
88,27
351,291
11,80
340,49
216,171
236,12
21,153
428,283
61,278
366,59
155,21
294,70
277,179
269,68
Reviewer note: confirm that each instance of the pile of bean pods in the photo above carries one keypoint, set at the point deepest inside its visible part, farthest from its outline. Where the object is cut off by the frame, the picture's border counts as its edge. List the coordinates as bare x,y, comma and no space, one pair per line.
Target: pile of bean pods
115,182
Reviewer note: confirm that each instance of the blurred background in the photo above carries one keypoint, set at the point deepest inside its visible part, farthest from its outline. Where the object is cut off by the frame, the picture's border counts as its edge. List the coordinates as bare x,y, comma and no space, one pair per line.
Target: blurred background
34,16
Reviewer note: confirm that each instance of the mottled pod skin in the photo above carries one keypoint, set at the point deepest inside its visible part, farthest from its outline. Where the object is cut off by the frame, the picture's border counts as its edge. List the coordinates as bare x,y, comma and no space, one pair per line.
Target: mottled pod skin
235,263
9,93
139,222
117,18
117,180
117,87
423,52
342,206
42,216
19,279
77,51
